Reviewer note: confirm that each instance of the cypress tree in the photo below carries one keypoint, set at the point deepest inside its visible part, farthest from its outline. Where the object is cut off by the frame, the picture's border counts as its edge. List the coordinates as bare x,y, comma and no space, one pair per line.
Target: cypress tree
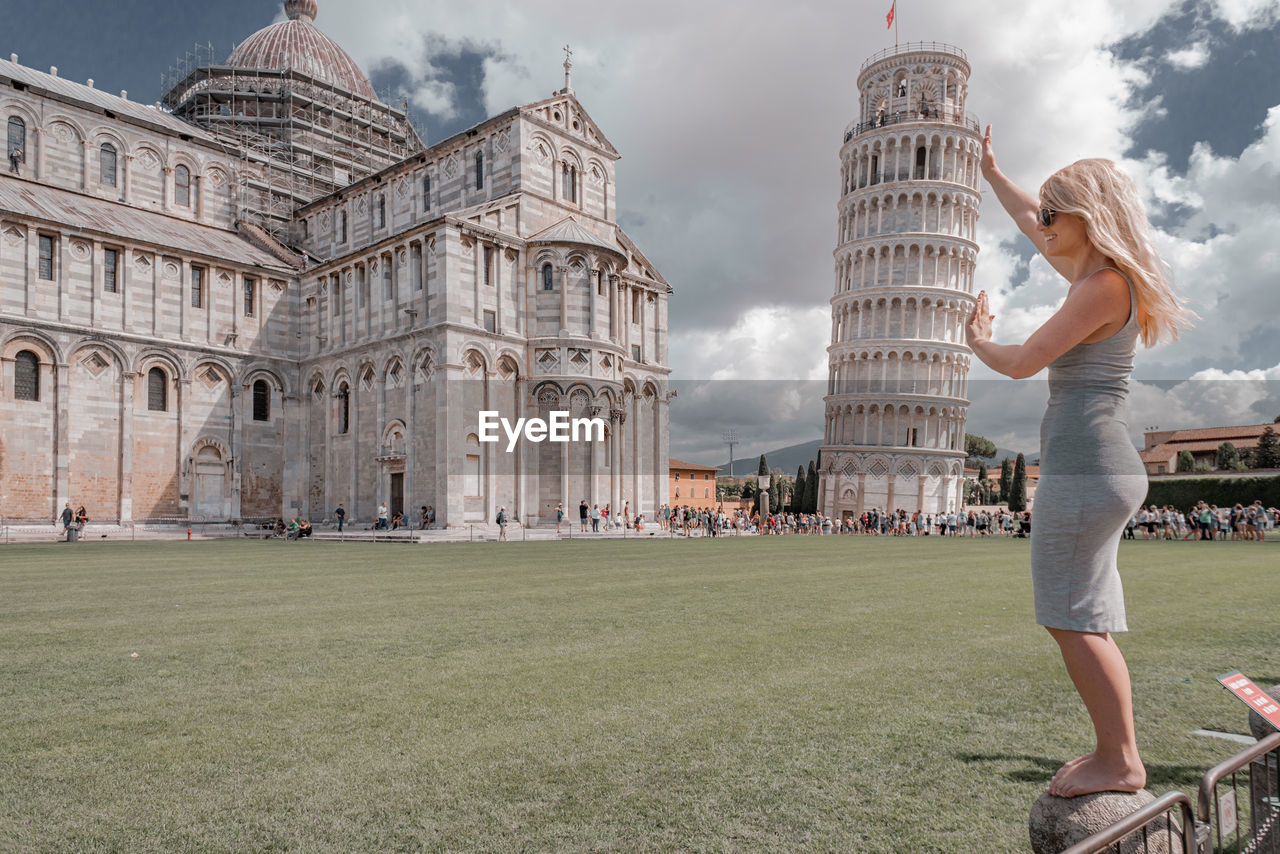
1267,455
1006,479
1227,458
798,494
764,466
984,485
1018,489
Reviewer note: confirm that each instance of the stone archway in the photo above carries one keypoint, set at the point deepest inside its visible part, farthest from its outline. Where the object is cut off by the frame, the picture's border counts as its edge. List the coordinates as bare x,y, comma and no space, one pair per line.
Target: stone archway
209,484
391,459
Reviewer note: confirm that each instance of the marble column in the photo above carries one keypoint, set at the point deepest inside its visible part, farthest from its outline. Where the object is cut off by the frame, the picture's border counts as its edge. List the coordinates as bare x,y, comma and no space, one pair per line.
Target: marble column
125,507
564,300
62,434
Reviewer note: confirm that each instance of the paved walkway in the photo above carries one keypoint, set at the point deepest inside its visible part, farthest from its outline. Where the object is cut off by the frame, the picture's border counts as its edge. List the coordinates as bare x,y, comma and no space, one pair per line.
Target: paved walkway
457,534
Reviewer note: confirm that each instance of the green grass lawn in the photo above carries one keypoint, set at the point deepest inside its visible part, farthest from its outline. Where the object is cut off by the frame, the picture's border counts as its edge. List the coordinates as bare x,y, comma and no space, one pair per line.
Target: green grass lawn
775,694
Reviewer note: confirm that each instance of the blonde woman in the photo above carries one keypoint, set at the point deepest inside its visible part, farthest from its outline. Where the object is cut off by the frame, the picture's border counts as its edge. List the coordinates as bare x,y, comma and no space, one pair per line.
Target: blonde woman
1090,225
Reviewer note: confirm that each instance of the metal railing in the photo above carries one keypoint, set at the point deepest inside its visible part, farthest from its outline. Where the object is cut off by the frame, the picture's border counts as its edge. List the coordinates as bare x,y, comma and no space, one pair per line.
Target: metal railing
1220,820
1149,830
914,47
1220,809
965,120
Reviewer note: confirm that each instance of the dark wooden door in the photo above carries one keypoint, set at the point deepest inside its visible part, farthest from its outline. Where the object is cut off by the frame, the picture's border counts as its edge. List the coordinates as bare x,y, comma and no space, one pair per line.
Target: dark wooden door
397,494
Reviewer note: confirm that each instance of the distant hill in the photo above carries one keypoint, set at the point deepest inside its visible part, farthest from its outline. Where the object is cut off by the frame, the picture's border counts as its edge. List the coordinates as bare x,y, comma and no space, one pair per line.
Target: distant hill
994,462
790,458
787,459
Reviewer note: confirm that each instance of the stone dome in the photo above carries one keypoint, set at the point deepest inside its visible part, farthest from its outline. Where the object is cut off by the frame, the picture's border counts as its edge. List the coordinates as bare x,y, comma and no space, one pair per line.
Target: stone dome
297,44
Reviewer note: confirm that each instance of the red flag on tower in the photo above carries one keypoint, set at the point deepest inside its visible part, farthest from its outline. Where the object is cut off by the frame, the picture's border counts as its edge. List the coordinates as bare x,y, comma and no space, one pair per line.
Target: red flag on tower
889,17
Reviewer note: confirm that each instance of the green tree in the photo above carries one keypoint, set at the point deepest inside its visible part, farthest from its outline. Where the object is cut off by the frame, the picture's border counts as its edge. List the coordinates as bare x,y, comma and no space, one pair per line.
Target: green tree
1006,479
748,491
1186,461
729,488
1227,458
984,484
797,497
764,466
978,446
1018,488
811,489
1267,454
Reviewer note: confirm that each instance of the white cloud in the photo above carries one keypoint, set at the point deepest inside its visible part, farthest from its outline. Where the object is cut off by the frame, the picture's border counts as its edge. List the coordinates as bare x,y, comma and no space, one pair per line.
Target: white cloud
765,342
1248,14
1234,397
1189,58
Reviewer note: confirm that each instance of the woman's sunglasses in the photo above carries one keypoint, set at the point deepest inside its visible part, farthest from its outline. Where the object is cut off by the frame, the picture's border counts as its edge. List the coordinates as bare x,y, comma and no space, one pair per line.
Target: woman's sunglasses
1046,216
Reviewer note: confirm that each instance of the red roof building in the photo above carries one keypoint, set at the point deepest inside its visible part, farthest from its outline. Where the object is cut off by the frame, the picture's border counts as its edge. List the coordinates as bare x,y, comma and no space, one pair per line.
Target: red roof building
1160,454
692,484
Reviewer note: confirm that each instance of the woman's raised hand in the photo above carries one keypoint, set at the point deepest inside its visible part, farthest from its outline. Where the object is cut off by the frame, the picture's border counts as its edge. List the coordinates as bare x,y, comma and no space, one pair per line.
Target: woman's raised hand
978,329
988,155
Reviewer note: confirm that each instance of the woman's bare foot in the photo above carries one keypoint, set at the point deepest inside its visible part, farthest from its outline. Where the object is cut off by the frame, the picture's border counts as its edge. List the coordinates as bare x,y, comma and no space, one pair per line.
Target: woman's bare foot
1091,773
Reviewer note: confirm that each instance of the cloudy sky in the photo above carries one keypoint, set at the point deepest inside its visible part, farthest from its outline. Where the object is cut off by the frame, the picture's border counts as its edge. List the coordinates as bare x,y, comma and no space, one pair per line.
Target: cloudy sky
729,117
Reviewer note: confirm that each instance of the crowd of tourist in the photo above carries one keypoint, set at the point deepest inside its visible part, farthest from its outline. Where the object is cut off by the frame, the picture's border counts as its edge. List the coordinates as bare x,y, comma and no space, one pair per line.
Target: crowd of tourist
295,529
1204,522
688,521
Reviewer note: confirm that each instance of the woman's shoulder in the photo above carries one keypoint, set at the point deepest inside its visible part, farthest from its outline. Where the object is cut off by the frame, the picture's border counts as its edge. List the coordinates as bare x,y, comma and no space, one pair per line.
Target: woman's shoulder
1102,283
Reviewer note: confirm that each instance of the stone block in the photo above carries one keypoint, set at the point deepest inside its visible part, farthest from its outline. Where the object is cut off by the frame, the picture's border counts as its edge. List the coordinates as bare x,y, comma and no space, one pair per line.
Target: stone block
1058,823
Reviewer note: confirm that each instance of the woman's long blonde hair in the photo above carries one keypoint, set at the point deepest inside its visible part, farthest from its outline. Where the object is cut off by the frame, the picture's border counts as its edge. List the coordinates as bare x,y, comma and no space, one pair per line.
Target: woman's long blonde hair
1116,224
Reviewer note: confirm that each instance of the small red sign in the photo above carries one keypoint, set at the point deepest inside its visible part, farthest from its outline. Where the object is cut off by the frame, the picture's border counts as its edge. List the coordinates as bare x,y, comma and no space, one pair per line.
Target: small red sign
1253,696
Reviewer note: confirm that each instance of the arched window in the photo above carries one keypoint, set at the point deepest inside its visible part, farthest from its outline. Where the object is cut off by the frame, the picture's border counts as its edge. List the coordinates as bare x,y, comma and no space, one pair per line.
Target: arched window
107,165
17,142
182,186
479,170
344,408
548,283
261,401
26,376
569,182
110,267
157,390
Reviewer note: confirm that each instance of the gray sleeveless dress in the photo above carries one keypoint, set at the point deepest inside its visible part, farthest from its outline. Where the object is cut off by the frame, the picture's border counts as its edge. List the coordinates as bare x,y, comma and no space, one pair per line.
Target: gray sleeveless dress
1091,481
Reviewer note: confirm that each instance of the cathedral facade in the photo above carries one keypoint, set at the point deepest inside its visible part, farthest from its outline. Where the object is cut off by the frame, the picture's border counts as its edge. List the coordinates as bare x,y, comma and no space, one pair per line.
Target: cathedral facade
905,259
266,296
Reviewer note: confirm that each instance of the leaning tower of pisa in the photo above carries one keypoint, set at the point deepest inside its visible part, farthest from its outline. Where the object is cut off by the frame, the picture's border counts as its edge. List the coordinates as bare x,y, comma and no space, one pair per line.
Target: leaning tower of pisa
904,265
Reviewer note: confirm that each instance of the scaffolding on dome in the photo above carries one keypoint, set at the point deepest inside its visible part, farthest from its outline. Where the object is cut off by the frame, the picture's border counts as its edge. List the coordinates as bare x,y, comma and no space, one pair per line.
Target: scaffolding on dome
298,138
